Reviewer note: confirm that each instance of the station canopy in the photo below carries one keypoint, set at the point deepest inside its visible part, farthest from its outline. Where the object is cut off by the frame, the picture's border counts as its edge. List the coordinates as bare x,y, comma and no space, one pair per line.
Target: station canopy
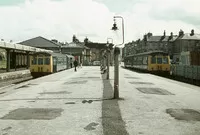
20,47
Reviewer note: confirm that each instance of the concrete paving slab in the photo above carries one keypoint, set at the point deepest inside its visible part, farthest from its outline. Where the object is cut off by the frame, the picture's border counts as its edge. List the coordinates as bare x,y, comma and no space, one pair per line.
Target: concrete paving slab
146,113
76,118
88,108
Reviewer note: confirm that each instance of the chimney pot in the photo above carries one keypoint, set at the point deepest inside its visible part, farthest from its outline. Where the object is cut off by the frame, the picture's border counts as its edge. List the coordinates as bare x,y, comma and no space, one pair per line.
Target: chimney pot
192,32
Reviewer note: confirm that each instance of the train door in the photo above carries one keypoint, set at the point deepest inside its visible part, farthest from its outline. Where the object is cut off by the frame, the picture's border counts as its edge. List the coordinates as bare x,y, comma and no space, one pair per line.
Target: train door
54,64
67,62
40,61
151,62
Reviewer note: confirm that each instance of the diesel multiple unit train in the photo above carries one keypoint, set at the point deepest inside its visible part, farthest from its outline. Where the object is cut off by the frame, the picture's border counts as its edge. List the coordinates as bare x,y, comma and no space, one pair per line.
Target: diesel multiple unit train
43,63
159,62
155,61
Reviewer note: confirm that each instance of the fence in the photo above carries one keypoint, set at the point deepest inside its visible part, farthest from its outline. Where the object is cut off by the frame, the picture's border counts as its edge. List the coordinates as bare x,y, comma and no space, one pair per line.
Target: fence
186,71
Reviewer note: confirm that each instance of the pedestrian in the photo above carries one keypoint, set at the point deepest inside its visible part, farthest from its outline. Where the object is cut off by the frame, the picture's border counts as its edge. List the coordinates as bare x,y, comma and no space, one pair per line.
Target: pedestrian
71,62
75,65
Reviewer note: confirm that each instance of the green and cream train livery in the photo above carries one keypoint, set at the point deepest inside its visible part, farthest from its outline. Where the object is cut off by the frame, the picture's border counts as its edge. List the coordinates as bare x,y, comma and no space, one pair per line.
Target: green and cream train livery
2,59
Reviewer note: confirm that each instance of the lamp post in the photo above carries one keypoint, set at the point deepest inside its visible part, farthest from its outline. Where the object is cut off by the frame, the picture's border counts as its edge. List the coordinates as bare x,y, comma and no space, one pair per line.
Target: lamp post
108,57
116,56
111,40
103,61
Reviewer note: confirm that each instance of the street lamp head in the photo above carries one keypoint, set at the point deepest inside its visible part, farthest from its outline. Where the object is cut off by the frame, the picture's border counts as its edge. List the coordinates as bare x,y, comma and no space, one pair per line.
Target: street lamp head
114,27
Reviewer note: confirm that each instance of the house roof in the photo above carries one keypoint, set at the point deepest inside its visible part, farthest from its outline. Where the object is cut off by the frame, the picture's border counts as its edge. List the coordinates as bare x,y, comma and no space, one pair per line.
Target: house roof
86,47
96,45
73,45
39,42
189,37
154,38
173,38
166,38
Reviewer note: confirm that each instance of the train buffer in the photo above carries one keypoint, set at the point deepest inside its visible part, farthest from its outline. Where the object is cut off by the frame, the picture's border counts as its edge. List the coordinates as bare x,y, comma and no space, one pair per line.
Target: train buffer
82,103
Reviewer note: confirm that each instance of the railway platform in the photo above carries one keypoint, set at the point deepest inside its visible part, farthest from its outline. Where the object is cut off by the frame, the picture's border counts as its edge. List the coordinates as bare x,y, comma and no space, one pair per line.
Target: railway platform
81,103
10,78
14,75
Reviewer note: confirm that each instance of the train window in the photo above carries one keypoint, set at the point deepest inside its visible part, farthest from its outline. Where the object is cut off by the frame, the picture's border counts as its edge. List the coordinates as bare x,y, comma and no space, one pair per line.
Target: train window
54,61
153,60
165,60
19,58
47,61
40,61
16,60
59,60
34,61
159,60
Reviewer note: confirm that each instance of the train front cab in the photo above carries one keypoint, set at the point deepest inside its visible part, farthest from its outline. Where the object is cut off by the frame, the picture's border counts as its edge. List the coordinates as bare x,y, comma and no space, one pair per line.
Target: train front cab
159,64
40,65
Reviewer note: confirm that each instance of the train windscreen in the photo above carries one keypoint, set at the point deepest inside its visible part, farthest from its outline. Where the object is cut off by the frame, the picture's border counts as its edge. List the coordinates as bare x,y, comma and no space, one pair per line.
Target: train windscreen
159,60
165,60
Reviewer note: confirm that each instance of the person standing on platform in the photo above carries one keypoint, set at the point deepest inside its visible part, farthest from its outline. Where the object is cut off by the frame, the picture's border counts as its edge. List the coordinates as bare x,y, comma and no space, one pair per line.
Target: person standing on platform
75,65
71,63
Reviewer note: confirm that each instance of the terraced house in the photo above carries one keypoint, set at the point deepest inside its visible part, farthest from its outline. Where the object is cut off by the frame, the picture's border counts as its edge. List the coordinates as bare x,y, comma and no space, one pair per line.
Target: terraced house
183,48
75,48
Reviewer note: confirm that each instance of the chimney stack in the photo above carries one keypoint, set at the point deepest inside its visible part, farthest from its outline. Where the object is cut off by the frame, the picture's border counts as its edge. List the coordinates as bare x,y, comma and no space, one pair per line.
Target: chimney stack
145,37
192,32
171,34
181,33
149,34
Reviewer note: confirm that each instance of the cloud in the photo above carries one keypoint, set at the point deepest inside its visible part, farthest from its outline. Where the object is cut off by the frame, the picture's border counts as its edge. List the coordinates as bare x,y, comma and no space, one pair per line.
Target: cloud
60,19
158,15
55,19
10,2
183,10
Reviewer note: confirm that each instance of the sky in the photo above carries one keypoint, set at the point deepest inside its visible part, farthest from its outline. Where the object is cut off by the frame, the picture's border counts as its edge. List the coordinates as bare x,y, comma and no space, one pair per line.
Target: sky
61,19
